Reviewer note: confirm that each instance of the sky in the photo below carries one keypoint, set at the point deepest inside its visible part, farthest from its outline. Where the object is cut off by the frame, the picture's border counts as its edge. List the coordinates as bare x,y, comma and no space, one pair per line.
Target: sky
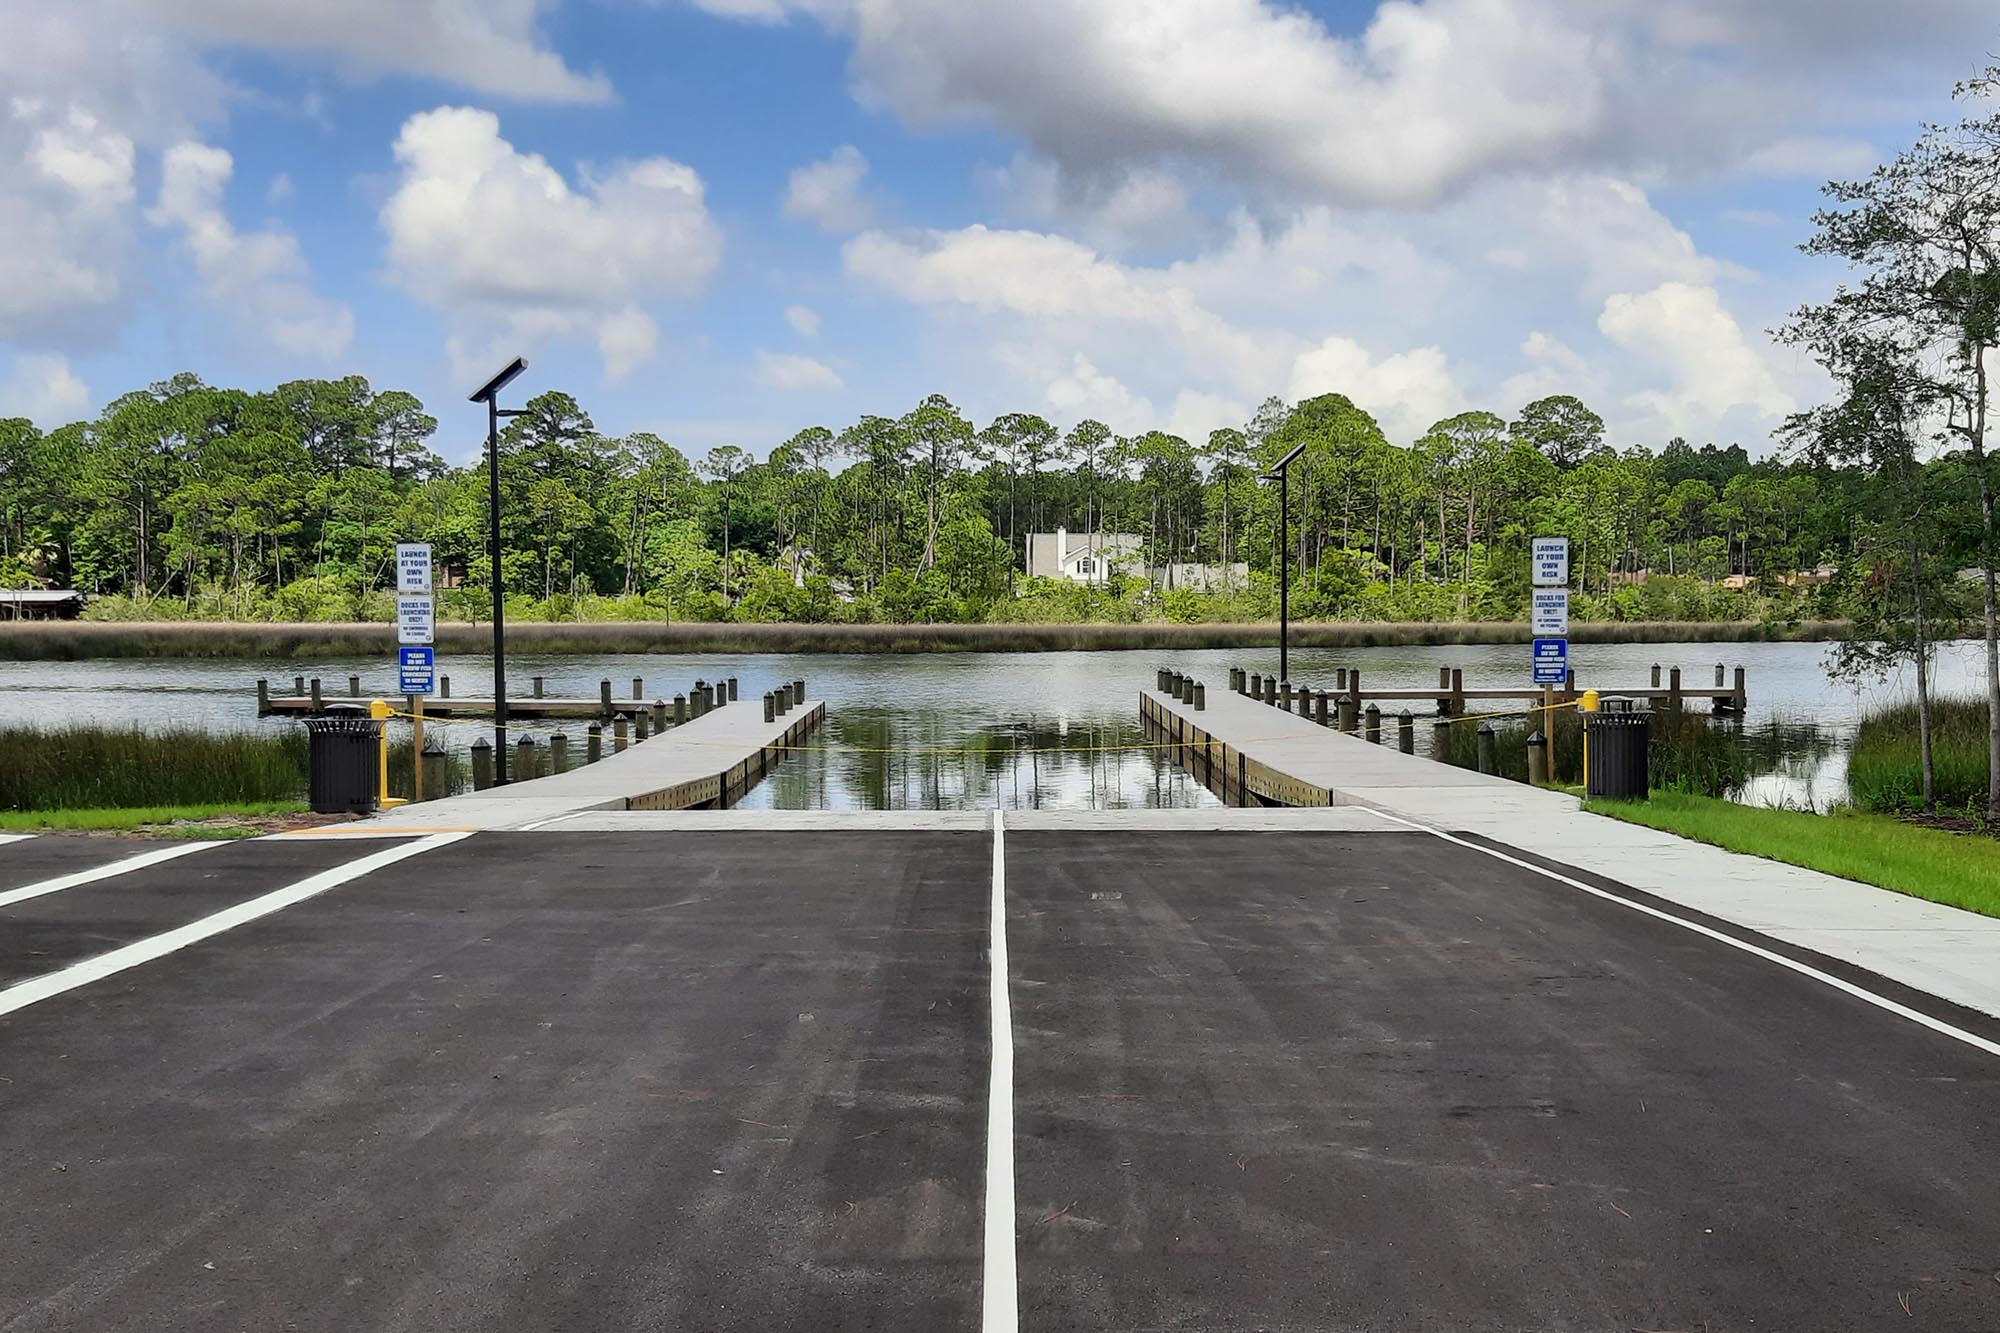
726,220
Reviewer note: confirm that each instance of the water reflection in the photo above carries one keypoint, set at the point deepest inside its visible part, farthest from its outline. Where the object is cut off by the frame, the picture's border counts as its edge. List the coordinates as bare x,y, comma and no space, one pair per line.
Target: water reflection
873,758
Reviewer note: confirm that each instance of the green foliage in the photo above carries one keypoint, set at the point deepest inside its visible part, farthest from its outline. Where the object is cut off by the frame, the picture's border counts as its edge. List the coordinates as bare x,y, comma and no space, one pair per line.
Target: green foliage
1957,869
93,767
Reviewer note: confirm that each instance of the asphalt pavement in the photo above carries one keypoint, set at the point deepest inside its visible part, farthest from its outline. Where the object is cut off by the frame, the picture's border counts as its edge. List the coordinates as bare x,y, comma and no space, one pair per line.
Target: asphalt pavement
737,1080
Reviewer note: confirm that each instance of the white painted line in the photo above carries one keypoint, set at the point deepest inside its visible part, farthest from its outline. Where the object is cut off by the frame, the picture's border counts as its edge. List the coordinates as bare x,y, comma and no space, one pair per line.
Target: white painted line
6,838
159,946
1938,1025
1001,1302
81,877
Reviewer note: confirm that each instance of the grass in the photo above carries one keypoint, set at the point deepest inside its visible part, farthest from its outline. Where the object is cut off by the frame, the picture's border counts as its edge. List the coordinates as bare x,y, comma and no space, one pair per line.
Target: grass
77,640
1956,869
85,767
1885,772
151,818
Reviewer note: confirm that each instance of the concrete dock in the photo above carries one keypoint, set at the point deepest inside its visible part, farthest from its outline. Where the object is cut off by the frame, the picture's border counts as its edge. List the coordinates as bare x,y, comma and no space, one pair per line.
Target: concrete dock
711,760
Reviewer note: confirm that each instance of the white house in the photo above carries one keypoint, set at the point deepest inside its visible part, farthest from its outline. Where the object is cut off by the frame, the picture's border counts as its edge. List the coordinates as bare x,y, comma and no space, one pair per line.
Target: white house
1201,578
1083,557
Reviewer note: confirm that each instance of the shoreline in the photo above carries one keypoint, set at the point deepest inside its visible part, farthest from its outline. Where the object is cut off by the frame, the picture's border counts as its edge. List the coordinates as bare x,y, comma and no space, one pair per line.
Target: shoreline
57,641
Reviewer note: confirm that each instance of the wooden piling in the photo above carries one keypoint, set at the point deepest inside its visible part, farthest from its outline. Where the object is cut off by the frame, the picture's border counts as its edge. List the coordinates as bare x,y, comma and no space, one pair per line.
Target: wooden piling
659,715
1674,688
559,752
444,687
1489,749
354,686
642,724
482,764
621,733
538,686
263,698
770,707
524,760
1371,723
593,742
1200,697
732,689
1319,707
604,697
1458,691
1656,675
1406,732
1742,693
1350,714
319,705
1538,758
799,689
680,710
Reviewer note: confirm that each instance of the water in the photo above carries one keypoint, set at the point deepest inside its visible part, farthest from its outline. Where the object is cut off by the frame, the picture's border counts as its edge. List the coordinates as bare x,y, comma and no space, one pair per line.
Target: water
1027,730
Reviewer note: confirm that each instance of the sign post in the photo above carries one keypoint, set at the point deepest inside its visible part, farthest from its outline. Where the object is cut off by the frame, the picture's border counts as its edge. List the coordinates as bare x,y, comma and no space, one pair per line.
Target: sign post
1548,612
416,635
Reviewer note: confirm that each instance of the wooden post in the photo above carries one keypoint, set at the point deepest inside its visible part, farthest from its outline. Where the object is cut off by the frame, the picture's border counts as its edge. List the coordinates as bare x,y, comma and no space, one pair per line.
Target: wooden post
1440,738
659,716
1718,675
298,687
1489,749
604,697
319,706
620,734
593,743
1742,694
1371,723
1674,688
1285,694
482,764
798,690
1257,685
732,689
559,752
1340,679
524,759
1200,697
354,685
642,725
1656,675
444,687
1319,707
1349,714
1444,678
680,710
1538,758
1458,691
638,688
538,687
1354,685
263,698
770,706
1406,732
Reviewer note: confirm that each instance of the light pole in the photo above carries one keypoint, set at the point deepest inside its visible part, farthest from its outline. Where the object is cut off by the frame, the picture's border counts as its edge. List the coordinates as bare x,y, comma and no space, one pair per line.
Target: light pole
1282,473
490,395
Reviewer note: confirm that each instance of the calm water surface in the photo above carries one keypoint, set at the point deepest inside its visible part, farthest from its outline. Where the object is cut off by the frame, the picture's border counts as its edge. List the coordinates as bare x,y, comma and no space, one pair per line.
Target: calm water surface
1027,730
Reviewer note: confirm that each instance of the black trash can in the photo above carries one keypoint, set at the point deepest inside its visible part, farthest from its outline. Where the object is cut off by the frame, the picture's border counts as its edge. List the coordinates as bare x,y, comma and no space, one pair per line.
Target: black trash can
1620,750
344,761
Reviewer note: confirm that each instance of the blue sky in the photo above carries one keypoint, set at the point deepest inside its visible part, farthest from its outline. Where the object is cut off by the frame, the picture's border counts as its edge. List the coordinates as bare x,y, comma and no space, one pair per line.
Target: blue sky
724,220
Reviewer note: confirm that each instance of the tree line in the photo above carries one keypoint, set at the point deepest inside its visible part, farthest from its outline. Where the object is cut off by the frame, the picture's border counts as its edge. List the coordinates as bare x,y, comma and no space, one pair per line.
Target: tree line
185,498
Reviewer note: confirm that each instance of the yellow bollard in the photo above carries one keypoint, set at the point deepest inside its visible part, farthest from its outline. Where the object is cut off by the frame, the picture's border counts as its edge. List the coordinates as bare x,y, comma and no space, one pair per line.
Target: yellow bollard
381,712
1587,705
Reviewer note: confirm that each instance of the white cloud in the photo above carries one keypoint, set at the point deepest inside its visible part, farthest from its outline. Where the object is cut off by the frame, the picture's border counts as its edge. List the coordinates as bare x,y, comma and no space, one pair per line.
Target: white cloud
1429,97
795,374
805,322
1687,336
501,243
493,46
259,278
64,225
43,389
828,193
1406,391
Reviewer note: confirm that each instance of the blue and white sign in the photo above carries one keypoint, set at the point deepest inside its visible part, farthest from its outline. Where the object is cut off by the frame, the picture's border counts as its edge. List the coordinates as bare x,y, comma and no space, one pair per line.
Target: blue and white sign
1551,661
419,669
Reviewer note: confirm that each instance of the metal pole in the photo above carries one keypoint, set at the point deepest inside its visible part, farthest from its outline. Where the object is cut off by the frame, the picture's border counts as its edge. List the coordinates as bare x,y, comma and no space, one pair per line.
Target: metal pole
1284,574
499,591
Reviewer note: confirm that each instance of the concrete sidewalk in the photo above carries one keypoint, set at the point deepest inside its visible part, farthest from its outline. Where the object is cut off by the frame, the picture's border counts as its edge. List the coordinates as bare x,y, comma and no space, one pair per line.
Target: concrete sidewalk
1941,951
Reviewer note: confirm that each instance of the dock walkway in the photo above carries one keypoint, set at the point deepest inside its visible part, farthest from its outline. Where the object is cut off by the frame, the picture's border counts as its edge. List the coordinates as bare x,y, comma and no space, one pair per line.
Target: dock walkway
708,761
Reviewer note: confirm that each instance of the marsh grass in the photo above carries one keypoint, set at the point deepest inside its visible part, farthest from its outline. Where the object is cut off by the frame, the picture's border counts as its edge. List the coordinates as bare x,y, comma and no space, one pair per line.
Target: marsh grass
1885,772
77,640
85,767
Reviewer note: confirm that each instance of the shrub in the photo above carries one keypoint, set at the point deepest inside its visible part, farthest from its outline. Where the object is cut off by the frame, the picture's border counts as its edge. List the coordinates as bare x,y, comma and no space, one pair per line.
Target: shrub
1885,771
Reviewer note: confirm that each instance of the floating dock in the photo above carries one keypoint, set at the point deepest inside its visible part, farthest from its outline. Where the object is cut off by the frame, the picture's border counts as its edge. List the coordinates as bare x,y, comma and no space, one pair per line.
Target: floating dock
707,763
311,697
1252,754
1729,694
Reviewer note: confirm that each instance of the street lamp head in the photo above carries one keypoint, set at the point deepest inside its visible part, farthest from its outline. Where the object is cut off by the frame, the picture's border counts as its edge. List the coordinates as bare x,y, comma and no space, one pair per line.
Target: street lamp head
1285,462
492,387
